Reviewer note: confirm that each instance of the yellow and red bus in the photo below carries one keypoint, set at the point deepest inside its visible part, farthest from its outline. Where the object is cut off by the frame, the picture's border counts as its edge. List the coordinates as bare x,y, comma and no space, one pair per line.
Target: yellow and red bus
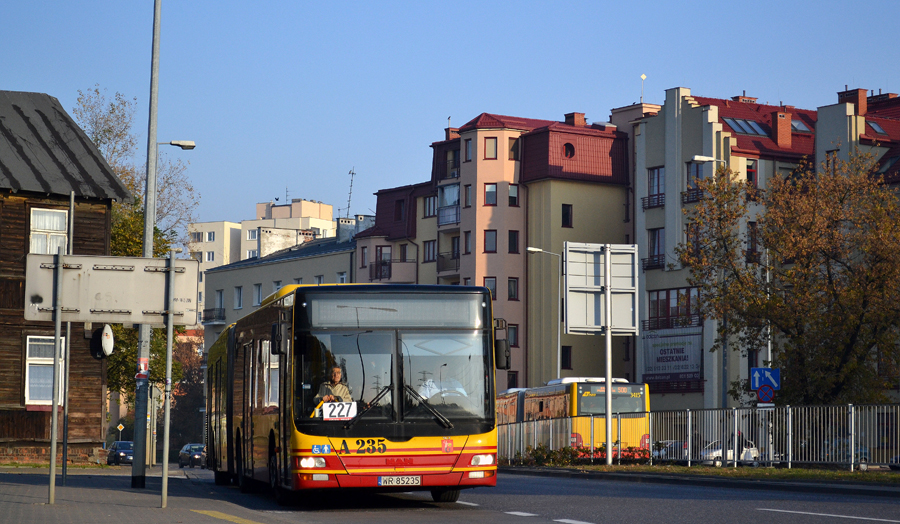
583,399
418,364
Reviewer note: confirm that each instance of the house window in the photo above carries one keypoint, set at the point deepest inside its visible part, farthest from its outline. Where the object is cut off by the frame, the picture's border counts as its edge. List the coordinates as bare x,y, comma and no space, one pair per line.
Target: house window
210,256
400,210
454,248
513,241
257,294
513,195
751,173
491,283
200,297
238,297
251,234
799,126
364,256
252,253
210,236
567,215
657,241
429,249
220,298
319,279
656,181
468,196
490,148
513,148
512,379
298,281
490,241
694,174
39,370
512,289
48,231
467,242
875,127
467,281
430,206
490,194
197,236
342,277
745,127
565,357
468,150
512,334
569,150
670,308
276,285
403,253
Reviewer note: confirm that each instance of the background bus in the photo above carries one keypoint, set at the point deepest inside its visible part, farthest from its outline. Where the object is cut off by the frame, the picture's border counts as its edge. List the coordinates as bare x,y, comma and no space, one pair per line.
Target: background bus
417,363
583,399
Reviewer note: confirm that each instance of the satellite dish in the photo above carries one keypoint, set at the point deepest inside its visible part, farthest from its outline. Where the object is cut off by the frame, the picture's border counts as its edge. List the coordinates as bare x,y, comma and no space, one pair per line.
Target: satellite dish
106,340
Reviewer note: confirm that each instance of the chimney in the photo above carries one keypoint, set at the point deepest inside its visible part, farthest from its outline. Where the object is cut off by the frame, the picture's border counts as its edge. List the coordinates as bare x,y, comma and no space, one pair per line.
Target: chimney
575,119
744,99
857,97
781,129
450,133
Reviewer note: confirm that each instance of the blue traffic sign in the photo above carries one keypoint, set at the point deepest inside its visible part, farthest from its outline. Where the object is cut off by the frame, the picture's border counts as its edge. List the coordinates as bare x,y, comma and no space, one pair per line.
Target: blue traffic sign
765,377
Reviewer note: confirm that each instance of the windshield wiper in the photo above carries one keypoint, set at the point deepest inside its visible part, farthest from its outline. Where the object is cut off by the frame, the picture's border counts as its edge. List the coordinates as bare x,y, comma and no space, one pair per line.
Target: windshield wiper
437,414
369,406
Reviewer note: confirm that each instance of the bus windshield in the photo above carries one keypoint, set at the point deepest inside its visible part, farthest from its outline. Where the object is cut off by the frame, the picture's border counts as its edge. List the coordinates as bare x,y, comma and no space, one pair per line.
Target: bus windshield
626,398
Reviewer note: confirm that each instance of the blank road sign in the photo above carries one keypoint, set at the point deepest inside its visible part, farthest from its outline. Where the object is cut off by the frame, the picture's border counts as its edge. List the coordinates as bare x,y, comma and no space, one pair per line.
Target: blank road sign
585,274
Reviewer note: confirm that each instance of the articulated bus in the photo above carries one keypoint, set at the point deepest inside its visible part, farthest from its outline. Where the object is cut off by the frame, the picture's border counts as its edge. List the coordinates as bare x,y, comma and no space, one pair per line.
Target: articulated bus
416,371
584,399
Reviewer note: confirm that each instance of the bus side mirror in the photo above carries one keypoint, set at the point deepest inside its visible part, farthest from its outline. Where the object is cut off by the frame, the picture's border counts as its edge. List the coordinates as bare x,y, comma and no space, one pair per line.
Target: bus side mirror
501,353
275,347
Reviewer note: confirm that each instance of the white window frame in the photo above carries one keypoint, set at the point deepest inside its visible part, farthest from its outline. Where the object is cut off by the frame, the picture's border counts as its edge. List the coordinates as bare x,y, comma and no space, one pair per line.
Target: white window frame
298,281
42,361
252,253
341,277
210,236
320,279
210,256
251,234
49,236
276,285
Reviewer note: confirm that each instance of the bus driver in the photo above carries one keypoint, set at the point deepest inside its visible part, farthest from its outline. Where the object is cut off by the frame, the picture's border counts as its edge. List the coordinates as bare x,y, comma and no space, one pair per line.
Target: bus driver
333,391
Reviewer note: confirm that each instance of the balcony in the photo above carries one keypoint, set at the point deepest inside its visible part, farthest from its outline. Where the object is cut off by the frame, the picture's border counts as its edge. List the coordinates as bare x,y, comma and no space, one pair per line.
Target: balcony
448,215
392,271
652,201
448,262
691,195
654,262
452,170
671,322
214,315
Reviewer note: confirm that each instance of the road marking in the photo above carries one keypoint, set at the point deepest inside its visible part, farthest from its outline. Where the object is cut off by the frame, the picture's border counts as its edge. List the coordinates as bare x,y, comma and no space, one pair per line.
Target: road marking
520,514
466,503
568,521
225,516
826,515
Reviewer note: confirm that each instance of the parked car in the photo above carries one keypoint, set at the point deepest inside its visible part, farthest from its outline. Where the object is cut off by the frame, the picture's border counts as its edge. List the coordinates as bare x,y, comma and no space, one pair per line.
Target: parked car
191,455
120,452
669,450
712,453
894,464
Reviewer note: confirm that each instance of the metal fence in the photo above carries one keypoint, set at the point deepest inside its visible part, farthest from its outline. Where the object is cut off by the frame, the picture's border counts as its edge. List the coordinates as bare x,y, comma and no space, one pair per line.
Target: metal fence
851,436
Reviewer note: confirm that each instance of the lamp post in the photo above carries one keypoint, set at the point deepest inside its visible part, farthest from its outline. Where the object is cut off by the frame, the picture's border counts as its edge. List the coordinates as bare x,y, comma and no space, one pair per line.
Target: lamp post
704,159
559,303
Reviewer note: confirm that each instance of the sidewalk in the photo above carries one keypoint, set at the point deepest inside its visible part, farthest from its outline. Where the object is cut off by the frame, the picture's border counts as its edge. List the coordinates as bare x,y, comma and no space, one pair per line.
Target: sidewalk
837,488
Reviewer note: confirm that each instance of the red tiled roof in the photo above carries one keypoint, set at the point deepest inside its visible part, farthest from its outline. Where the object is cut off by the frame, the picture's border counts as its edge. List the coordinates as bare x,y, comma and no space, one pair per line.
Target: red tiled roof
488,120
890,126
883,106
801,143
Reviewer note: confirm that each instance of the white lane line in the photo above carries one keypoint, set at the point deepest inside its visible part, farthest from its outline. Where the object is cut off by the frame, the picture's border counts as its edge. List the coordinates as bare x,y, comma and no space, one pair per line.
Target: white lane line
569,521
521,514
826,515
466,503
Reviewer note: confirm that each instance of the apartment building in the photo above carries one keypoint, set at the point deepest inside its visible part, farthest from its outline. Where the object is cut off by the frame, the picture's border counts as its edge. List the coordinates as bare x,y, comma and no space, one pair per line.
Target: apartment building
686,140
498,185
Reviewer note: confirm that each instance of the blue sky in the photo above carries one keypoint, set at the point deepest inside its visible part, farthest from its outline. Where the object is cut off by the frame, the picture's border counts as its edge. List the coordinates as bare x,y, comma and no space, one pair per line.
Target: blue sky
290,95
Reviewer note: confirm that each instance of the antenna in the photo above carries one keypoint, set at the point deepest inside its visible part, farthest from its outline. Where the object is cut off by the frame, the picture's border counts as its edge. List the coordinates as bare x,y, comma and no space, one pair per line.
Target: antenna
286,195
643,77
352,174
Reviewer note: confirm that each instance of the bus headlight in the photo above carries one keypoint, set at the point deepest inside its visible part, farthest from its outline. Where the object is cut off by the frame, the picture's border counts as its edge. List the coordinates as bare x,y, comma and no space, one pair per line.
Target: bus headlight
312,462
482,460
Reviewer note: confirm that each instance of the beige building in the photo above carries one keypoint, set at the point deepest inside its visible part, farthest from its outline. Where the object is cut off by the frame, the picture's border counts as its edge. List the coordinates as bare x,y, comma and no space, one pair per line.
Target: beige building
498,185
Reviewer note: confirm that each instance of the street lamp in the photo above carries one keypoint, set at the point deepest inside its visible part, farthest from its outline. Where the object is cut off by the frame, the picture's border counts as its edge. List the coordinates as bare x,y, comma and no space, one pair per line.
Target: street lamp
559,303
183,144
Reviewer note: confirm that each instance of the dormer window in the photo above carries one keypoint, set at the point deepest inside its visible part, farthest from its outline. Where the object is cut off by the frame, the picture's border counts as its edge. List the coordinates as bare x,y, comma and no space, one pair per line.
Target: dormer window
745,127
875,127
799,127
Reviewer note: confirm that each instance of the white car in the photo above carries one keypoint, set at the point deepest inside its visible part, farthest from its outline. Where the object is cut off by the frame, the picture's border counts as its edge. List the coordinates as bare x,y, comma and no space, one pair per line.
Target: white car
712,453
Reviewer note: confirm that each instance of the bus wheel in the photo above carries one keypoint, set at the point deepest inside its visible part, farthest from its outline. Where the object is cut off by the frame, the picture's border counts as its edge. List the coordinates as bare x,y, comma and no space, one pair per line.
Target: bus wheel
445,495
242,481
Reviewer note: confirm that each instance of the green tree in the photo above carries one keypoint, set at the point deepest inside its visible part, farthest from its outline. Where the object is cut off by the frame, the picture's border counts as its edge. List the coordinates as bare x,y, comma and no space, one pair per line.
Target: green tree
818,275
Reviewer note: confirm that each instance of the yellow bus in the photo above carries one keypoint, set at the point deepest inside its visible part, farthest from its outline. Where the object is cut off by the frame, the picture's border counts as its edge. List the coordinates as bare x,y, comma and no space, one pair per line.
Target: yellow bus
583,399
379,387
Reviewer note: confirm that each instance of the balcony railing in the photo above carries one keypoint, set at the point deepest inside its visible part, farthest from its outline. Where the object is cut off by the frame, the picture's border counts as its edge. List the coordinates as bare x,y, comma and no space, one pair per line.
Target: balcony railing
691,195
452,170
216,314
448,262
392,271
651,201
653,262
448,215
671,322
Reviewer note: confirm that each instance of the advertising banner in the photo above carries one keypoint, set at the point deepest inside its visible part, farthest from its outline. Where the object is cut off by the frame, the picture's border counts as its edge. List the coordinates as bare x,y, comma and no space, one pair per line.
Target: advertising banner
673,355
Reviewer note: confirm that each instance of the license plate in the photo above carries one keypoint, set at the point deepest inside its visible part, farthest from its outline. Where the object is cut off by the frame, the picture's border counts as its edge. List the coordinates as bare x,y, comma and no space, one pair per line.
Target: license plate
407,480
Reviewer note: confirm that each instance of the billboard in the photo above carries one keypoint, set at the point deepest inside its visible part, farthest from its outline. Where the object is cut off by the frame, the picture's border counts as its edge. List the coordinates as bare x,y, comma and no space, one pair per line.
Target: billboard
585,273
673,355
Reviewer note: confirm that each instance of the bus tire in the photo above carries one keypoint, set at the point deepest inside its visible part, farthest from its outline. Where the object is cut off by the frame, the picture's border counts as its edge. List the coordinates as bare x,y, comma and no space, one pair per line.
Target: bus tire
445,495
221,478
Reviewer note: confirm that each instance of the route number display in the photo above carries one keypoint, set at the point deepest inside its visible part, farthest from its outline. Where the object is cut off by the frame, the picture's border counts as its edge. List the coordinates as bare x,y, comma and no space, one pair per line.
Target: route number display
338,410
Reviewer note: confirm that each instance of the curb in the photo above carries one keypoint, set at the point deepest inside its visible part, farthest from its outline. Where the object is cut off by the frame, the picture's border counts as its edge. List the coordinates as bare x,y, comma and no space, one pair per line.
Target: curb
719,482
